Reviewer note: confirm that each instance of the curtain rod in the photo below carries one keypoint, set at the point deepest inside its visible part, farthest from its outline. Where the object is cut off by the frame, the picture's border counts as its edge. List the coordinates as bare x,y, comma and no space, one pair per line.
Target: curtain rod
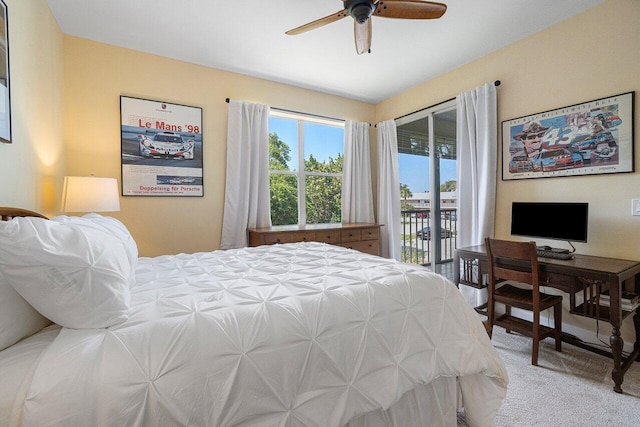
301,113
496,83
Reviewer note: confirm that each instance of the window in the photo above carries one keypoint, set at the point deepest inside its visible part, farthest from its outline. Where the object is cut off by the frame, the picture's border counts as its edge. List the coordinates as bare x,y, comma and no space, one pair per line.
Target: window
305,168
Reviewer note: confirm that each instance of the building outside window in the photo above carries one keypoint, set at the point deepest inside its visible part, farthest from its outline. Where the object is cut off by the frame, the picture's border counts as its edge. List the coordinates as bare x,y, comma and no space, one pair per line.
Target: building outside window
305,168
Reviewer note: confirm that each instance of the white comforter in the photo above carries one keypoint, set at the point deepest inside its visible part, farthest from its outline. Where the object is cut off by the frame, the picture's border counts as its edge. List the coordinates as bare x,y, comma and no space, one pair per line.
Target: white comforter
303,334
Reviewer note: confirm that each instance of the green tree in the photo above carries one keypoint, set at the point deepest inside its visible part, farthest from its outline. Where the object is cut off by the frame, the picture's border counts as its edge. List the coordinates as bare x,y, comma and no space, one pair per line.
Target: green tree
405,193
323,193
450,185
284,188
279,153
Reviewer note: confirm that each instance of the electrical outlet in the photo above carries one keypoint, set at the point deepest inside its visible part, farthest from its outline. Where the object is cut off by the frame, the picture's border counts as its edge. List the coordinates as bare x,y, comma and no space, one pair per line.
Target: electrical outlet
635,207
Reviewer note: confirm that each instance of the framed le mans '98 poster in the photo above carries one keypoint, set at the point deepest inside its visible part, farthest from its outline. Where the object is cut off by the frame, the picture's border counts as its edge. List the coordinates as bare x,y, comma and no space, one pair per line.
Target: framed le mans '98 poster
594,137
161,147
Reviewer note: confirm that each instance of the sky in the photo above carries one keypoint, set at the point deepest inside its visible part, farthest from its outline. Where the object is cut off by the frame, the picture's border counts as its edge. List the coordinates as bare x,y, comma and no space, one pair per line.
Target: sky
414,171
327,141
321,140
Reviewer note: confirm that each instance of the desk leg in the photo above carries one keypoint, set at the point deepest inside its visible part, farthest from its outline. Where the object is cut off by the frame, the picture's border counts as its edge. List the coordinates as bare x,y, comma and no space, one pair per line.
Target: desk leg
617,343
620,367
636,325
616,348
636,349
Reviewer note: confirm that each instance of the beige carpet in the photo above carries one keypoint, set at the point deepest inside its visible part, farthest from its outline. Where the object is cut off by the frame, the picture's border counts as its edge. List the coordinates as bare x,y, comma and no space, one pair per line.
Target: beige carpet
571,388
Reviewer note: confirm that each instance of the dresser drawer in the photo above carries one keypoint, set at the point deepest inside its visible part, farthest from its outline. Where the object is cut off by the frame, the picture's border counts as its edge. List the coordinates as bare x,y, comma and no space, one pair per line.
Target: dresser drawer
303,236
372,233
328,236
367,246
271,238
350,235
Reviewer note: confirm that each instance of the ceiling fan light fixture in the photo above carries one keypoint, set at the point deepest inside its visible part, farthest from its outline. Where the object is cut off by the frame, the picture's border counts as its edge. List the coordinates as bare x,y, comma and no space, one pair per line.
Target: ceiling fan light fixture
360,10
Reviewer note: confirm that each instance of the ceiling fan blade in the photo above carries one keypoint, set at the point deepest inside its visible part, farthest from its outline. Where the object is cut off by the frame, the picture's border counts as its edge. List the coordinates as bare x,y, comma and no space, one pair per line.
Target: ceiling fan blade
410,9
318,23
362,33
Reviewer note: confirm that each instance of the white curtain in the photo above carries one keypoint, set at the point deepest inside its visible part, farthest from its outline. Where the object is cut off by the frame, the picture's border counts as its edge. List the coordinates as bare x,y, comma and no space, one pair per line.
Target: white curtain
388,190
477,143
357,196
246,200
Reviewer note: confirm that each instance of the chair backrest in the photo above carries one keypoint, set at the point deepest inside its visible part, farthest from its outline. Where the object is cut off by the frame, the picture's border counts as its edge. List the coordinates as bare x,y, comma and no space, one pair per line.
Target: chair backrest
7,213
510,260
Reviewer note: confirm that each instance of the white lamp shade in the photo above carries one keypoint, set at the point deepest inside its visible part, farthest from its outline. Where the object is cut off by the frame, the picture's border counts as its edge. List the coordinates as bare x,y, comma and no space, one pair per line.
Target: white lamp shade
90,194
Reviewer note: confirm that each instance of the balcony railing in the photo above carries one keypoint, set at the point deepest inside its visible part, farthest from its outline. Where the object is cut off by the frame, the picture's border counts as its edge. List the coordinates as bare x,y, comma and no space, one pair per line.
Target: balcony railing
416,232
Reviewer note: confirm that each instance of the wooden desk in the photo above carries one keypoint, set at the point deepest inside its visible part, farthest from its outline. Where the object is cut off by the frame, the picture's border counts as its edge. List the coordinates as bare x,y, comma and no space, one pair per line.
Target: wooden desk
583,278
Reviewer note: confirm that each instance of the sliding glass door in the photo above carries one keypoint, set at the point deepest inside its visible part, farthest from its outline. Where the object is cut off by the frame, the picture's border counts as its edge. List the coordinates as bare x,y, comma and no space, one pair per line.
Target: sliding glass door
428,169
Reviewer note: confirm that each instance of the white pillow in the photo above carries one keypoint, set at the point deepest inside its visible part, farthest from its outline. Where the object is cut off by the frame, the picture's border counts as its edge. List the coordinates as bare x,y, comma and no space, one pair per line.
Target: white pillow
113,227
74,274
17,318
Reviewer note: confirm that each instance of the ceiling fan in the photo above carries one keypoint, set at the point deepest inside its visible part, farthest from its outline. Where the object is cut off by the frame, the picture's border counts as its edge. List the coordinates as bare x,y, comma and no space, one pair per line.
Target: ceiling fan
362,10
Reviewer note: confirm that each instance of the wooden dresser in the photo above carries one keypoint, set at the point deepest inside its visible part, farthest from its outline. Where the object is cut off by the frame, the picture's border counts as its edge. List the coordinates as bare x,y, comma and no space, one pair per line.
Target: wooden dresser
361,237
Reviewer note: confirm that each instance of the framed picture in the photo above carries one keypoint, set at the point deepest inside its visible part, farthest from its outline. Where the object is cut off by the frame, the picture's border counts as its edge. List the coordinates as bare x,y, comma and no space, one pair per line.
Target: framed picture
5,101
161,148
594,137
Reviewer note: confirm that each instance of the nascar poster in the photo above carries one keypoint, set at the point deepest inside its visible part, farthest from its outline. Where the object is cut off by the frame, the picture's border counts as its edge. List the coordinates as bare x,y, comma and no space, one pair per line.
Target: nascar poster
594,137
161,147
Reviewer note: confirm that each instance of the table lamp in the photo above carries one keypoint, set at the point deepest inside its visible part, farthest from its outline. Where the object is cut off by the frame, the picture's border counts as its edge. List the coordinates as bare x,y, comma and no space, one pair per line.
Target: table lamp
90,194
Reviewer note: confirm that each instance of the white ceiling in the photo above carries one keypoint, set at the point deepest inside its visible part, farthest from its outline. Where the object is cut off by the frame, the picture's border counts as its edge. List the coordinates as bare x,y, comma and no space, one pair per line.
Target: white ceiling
247,37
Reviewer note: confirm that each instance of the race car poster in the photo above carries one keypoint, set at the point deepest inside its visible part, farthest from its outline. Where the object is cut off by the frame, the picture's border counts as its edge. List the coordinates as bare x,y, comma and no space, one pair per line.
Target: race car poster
161,146
591,138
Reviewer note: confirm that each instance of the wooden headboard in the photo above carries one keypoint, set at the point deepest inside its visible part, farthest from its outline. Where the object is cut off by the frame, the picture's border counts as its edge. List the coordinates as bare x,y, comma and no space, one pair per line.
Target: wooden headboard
8,213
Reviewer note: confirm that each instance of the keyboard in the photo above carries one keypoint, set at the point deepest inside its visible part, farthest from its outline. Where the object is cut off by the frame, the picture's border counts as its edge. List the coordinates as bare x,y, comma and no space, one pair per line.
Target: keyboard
554,254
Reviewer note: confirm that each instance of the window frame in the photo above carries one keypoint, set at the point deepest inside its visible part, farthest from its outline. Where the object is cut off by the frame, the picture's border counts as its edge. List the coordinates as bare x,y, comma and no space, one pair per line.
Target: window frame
300,173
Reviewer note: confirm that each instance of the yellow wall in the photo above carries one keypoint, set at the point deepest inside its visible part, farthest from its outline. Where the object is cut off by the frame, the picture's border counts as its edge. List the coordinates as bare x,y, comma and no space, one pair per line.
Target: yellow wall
95,77
32,167
592,55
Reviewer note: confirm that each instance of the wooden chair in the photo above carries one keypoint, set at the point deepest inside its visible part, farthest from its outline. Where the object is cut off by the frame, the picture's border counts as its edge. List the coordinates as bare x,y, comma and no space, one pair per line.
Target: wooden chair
518,261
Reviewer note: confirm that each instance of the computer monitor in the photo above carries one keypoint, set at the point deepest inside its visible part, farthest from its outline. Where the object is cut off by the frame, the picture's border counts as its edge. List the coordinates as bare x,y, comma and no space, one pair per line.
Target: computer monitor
550,220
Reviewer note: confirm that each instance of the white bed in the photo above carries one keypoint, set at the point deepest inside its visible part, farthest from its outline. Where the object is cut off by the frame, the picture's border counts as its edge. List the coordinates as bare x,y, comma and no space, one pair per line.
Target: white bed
302,334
